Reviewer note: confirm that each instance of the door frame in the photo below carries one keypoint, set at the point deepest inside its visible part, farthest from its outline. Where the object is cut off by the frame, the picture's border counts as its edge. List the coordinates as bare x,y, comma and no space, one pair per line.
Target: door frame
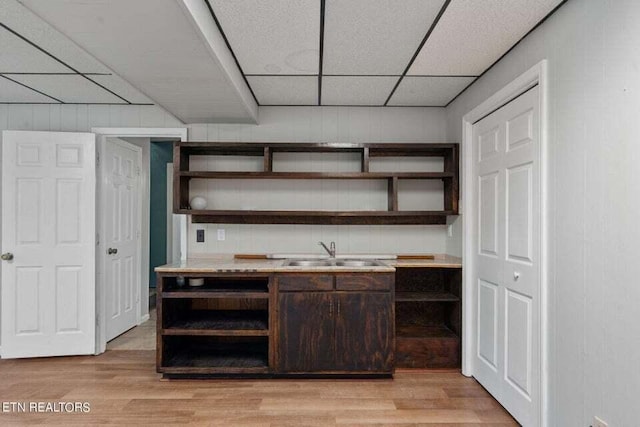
173,133
536,75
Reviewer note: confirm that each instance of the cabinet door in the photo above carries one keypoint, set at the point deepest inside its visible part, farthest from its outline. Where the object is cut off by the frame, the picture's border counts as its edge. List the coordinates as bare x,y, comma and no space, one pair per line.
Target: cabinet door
306,331
364,331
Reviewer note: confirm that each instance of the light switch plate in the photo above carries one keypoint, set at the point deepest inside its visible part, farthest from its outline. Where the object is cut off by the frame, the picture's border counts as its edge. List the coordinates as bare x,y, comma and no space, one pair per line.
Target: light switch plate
221,234
199,236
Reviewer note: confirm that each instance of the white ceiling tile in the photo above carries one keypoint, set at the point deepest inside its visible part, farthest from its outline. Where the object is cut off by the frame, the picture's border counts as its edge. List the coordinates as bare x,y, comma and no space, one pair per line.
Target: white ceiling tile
69,88
374,36
472,34
428,91
361,90
122,88
285,90
272,36
18,56
13,92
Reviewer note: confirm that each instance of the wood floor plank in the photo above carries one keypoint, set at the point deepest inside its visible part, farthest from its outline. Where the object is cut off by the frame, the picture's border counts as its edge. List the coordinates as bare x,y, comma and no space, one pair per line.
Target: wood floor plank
124,389
409,416
327,404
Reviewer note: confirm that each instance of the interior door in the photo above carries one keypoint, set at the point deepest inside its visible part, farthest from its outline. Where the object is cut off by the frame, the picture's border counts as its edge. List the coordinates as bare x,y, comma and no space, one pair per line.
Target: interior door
48,244
120,171
306,331
507,175
364,331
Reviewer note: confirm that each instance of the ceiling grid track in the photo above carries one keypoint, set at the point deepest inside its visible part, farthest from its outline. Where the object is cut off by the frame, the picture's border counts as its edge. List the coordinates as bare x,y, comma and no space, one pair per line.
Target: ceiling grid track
321,51
29,87
415,55
235,58
62,62
74,73
52,74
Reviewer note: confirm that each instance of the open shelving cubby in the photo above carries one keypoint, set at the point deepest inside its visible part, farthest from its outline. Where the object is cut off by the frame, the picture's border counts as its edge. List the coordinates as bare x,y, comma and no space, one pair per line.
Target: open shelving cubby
366,155
428,317
219,328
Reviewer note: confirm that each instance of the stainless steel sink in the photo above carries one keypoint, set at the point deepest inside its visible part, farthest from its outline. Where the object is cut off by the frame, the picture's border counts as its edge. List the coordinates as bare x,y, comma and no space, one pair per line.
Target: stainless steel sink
357,263
308,263
333,263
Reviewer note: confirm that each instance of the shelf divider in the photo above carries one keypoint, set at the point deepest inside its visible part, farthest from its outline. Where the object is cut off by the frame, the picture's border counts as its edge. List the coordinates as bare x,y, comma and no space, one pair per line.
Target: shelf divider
365,160
392,194
268,160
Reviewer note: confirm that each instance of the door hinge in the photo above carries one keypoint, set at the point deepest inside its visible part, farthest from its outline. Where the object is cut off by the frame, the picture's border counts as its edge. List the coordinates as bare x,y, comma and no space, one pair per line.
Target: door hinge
97,239
97,158
97,320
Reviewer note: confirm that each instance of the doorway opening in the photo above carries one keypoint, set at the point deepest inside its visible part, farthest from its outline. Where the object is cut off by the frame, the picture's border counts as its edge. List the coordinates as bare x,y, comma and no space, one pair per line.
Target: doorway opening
173,234
162,227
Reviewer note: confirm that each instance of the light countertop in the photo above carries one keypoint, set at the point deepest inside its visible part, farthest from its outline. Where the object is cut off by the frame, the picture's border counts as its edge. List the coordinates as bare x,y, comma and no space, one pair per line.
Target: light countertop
229,264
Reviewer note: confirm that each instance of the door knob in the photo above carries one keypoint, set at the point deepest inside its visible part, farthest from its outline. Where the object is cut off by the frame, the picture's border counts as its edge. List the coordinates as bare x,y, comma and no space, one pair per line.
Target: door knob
7,256
516,275
112,251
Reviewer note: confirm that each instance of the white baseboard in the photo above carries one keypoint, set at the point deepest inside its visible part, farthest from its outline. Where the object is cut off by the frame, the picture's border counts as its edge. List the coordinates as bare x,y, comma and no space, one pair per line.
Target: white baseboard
143,319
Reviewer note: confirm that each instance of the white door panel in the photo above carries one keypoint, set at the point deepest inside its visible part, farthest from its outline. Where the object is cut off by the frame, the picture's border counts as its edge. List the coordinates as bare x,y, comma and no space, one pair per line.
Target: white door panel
121,250
507,295
48,224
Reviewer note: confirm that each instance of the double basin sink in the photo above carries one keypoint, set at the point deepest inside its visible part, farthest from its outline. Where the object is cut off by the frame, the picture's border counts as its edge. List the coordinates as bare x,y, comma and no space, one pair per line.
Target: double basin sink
332,262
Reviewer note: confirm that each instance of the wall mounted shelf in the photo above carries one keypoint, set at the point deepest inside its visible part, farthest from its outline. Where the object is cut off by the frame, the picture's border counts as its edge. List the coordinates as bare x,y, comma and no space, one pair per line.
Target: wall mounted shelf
392,215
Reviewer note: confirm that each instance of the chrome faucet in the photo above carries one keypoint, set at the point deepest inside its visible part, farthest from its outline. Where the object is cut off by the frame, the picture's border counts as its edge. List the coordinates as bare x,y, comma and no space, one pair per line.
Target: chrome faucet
331,250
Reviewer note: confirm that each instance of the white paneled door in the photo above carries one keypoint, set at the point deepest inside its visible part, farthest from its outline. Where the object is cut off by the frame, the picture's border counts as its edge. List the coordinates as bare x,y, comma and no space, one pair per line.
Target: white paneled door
120,173
507,182
48,244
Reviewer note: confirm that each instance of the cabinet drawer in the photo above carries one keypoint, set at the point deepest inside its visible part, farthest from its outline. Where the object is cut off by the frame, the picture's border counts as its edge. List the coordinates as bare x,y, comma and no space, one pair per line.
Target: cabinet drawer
365,282
305,282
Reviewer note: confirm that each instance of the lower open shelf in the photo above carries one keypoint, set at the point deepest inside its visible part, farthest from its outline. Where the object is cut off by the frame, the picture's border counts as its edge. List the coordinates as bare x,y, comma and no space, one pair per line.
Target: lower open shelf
419,331
214,355
219,322
420,346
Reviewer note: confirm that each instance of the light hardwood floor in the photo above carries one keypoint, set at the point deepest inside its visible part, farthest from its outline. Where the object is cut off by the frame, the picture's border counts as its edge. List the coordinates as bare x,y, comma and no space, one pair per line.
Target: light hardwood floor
123,389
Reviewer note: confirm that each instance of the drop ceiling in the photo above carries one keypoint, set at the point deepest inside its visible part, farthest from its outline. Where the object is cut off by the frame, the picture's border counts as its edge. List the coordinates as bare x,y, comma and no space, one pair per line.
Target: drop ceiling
39,65
370,52
287,52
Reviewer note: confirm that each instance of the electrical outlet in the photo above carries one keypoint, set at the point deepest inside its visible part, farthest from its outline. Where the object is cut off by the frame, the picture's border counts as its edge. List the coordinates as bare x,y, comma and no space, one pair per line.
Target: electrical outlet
199,236
221,234
597,422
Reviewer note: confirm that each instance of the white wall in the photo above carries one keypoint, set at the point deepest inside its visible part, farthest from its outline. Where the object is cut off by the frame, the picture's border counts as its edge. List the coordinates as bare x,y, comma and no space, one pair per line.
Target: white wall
593,51
321,124
81,118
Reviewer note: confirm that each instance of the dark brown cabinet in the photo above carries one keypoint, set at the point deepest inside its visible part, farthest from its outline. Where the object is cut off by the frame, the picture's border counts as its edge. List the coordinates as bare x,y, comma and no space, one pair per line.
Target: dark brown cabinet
364,331
323,329
306,331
